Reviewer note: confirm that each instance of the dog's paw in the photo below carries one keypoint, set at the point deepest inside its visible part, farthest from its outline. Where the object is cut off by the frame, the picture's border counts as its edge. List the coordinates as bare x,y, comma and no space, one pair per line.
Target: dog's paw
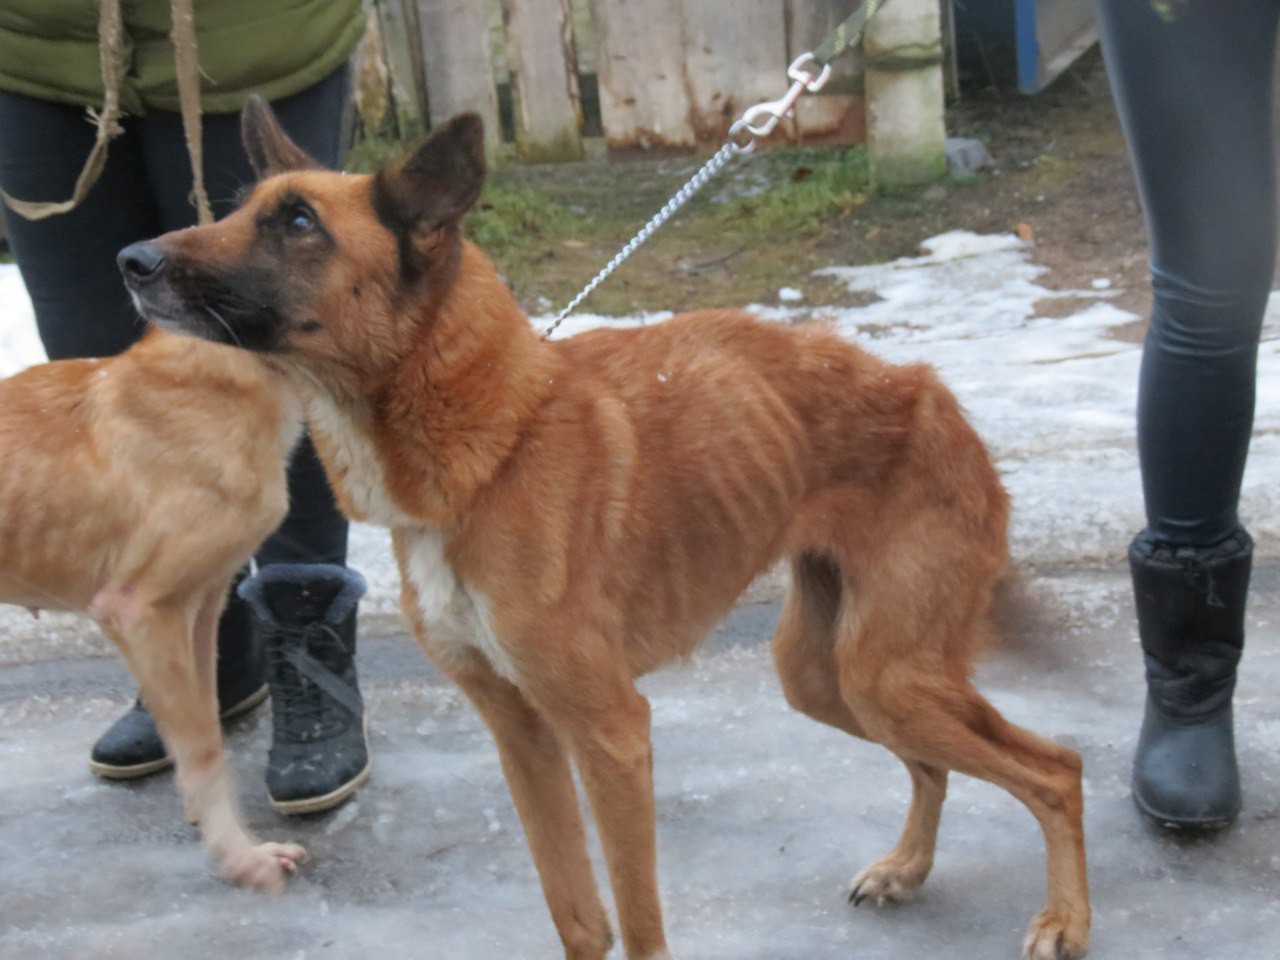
1056,936
887,881
264,867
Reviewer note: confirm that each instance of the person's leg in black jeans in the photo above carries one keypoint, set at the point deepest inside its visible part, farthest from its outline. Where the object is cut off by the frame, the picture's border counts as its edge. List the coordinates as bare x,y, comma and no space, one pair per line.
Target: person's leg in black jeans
82,310
1195,98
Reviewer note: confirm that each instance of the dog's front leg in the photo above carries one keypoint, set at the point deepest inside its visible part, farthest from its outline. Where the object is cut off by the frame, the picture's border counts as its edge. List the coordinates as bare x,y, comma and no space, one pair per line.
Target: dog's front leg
162,646
537,771
607,723
205,652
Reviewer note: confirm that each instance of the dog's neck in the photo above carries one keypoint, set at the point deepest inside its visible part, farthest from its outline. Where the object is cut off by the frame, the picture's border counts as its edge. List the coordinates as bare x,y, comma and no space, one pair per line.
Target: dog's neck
451,411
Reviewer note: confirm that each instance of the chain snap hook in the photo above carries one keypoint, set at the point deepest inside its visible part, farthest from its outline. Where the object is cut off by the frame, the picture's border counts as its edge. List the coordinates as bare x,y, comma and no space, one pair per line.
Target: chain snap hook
759,121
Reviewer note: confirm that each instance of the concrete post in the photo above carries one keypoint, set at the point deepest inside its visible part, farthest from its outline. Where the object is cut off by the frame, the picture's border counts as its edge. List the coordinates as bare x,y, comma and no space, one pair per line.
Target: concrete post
905,128
459,63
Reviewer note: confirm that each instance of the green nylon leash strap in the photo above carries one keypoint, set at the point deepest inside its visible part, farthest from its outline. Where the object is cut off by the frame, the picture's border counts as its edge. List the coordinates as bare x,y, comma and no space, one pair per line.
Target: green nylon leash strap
847,33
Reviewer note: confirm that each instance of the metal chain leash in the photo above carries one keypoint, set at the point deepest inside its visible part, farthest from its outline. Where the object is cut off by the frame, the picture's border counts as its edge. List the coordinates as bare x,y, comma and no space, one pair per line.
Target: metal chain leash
755,124
699,179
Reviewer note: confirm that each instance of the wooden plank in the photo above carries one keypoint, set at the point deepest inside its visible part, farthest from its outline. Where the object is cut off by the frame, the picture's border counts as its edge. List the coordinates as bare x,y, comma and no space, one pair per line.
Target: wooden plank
736,56
644,99
402,52
458,61
544,79
371,95
838,114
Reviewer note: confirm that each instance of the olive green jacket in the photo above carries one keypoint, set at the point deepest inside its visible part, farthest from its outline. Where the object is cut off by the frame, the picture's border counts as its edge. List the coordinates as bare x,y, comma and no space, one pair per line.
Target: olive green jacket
49,49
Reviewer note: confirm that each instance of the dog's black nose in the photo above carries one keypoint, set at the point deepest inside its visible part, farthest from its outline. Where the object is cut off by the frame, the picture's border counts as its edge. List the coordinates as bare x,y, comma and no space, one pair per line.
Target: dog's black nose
141,262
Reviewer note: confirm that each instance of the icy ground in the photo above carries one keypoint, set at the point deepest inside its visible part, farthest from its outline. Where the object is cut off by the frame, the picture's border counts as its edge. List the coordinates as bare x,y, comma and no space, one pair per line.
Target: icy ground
763,815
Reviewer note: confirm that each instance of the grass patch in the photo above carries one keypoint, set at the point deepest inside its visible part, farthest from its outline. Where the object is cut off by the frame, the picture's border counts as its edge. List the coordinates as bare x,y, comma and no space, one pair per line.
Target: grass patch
809,188
511,219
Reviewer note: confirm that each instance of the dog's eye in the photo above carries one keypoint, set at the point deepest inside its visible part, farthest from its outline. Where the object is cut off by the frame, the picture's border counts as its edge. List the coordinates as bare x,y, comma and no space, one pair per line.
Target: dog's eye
301,220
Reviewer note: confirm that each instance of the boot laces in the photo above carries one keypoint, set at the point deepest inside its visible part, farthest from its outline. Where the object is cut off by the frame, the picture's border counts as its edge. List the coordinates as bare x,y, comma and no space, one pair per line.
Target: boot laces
314,701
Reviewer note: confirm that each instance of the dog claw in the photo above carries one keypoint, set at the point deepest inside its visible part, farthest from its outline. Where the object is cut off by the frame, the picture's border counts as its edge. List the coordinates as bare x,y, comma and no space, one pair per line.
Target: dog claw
1057,937
886,881
265,866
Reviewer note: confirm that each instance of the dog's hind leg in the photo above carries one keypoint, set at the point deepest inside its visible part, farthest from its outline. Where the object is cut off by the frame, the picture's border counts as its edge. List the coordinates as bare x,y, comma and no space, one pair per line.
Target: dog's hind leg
804,643
169,649
899,873
537,769
804,653
910,695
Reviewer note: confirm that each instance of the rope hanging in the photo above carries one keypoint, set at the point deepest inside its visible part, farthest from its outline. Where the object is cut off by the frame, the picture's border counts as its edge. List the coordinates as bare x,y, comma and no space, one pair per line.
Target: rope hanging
111,55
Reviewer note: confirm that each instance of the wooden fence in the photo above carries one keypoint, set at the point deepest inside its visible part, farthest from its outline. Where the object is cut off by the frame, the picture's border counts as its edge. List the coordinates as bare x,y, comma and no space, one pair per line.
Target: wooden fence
644,74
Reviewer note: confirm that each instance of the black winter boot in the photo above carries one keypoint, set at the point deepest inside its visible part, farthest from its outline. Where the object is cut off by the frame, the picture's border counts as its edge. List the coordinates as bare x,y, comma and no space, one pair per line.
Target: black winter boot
132,747
1190,603
306,615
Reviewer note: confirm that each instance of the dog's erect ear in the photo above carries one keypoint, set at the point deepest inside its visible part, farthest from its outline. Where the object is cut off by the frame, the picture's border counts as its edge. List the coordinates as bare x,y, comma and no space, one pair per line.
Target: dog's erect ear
438,182
269,148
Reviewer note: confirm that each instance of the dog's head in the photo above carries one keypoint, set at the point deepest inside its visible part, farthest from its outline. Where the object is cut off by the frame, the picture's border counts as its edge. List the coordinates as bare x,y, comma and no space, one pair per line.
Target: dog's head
317,267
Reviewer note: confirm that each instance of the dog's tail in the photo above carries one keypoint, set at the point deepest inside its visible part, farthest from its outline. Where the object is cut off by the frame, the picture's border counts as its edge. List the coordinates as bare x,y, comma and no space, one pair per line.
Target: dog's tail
1022,611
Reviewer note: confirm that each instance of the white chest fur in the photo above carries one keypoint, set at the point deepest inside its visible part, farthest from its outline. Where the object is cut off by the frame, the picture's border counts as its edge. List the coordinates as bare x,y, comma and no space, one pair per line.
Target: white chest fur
455,616
355,460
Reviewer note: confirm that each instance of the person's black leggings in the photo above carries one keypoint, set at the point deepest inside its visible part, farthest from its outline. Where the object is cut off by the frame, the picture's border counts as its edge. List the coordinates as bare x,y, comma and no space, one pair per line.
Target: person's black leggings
68,262
1195,98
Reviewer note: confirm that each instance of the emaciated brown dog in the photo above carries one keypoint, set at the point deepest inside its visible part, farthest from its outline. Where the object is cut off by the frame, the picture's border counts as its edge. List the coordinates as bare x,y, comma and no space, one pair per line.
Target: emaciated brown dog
568,515
133,489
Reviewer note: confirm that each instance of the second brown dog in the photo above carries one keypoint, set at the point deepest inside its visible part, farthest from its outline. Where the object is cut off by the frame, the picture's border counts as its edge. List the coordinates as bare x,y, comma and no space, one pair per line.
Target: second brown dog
133,489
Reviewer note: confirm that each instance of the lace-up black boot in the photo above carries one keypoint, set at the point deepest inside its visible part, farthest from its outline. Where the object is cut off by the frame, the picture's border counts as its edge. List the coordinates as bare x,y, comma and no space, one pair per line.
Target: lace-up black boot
132,747
1190,604
306,615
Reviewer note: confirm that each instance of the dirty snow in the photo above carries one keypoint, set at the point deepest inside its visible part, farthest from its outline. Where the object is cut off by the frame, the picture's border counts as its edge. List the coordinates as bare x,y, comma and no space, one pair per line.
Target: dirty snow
19,344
